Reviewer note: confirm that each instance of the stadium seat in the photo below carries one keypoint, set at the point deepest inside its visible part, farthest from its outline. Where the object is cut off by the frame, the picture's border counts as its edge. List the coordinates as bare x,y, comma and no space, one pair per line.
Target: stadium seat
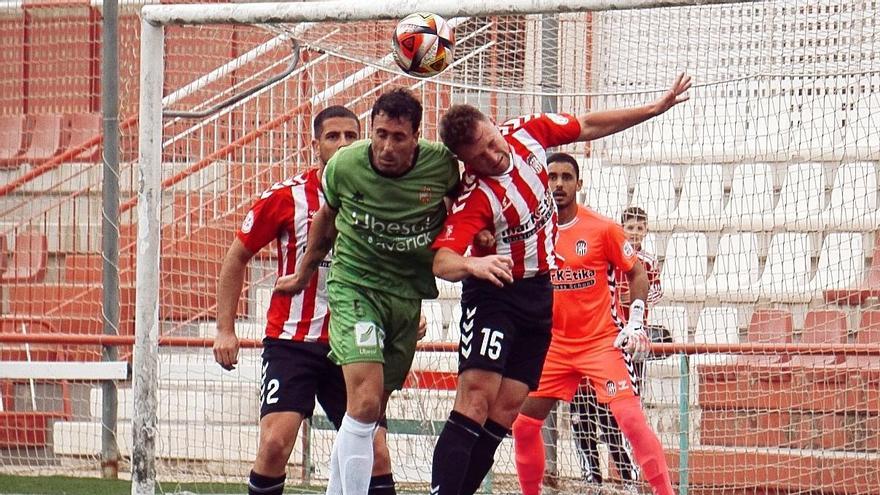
674,318
867,287
750,206
49,137
786,275
29,259
853,204
433,313
13,139
649,243
448,290
701,206
841,262
802,198
684,269
868,334
822,327
82,128
453,329
769,326
717,325
655,193
736,269
607,190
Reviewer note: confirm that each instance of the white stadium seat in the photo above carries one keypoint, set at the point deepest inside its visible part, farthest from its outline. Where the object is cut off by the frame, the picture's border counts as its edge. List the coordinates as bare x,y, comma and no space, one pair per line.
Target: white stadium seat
736,271
853,204
802,198
702,199
433,312
786,275
750,206
655,193
684,269
607,190
717,325
674,318
841,262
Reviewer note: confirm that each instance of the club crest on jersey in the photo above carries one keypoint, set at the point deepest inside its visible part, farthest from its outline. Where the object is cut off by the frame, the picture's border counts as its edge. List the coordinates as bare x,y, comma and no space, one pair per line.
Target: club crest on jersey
534,163
628,249
425,195
580,247
248,223
611,388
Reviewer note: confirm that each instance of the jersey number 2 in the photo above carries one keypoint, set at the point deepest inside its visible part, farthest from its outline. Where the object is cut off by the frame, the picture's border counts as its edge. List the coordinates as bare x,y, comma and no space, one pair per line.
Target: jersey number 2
272,387
491,346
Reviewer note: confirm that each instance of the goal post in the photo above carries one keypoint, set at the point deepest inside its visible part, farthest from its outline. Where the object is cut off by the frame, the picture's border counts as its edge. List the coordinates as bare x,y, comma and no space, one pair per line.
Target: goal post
761,193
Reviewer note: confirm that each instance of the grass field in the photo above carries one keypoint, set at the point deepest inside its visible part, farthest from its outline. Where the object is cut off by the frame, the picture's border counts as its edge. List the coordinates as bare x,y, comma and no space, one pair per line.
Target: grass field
62,485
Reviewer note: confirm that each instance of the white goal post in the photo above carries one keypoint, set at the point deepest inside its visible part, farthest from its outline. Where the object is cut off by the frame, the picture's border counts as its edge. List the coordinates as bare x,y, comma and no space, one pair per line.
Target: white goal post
154,20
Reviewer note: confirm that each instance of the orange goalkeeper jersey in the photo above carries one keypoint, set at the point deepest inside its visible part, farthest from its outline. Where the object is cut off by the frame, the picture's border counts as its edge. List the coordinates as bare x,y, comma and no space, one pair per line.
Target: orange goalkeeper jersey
584,305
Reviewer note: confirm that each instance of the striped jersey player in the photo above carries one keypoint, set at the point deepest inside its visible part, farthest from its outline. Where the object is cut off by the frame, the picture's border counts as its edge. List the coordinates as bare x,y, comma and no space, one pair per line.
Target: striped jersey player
507,295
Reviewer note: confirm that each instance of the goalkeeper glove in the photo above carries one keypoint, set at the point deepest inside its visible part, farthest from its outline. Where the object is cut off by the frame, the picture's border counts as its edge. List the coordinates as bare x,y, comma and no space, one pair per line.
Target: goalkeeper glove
633,338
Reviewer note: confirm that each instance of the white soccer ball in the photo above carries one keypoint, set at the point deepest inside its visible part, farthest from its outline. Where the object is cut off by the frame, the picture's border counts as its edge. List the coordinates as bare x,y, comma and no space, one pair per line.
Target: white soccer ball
423,44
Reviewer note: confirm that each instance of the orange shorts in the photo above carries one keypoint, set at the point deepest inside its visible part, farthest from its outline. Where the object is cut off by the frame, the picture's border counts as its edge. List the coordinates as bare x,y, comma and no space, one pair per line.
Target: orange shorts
568,363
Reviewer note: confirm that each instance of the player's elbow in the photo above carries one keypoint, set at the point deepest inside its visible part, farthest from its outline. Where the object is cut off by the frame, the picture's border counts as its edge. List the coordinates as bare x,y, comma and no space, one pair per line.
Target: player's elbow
444,265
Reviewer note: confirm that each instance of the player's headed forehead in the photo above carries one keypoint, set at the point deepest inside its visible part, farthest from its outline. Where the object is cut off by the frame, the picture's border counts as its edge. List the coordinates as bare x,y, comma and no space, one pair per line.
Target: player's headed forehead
335,126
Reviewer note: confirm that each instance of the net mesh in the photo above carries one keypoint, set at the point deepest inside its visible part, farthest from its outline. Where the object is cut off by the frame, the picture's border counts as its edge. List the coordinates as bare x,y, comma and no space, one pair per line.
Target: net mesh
761,194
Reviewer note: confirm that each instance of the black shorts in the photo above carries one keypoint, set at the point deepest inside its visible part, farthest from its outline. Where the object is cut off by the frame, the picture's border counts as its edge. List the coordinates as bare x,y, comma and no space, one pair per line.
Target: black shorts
506,330
294,374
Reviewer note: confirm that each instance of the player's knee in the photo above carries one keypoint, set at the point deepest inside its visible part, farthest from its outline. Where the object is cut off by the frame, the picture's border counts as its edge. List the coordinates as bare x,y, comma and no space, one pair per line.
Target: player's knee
274,451
365,408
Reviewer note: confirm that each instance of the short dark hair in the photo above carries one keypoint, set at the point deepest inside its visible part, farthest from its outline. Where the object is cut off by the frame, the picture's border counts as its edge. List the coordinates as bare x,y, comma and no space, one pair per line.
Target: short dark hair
633,213
399,103
566,158
329,113
458,125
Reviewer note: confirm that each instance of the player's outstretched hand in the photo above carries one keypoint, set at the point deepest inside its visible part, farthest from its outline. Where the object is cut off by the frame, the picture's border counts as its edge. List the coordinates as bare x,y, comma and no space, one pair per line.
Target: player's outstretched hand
676,94
292,284
226,350
423,327
494,268
633,340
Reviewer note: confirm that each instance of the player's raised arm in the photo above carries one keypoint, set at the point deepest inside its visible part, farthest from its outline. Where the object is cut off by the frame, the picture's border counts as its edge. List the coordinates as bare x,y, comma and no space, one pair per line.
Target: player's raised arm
595,125
321,237
229,288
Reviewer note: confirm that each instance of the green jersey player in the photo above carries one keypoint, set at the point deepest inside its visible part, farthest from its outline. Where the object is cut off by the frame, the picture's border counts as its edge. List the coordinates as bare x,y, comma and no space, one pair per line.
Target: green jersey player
387,207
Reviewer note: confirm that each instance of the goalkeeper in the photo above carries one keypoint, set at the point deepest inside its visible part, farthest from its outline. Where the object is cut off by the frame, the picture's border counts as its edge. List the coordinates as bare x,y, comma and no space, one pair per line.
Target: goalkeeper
588,337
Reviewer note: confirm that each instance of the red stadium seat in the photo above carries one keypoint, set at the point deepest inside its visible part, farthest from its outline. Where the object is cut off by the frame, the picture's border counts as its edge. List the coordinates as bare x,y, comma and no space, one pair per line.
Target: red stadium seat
83,127
769,326
48,138
13,130
823,327
29,259
869,334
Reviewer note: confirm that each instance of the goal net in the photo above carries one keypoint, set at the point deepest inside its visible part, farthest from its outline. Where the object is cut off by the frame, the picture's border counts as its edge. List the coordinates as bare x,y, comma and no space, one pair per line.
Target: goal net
760,192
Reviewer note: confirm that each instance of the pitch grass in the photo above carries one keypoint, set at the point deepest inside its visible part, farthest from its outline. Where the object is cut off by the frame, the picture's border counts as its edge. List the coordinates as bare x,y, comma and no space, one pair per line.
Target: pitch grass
63,485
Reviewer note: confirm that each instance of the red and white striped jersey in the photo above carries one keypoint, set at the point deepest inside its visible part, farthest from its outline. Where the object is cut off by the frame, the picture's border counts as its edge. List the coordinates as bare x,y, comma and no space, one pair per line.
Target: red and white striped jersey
284,214
516,206
655,290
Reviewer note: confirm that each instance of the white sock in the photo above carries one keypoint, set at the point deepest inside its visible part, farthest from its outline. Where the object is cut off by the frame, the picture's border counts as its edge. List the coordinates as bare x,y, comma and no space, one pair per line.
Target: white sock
355,455
334,485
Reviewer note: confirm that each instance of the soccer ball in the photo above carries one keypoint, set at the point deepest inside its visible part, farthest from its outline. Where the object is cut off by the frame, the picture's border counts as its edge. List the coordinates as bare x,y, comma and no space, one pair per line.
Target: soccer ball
423,44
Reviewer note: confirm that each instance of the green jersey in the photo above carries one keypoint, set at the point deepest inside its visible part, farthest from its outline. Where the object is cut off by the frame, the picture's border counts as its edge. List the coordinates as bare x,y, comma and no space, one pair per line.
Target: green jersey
386,224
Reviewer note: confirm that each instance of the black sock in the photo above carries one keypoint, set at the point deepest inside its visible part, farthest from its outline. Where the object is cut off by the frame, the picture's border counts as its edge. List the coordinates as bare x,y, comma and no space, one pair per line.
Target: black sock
483,456
382,484
452,453
265,485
